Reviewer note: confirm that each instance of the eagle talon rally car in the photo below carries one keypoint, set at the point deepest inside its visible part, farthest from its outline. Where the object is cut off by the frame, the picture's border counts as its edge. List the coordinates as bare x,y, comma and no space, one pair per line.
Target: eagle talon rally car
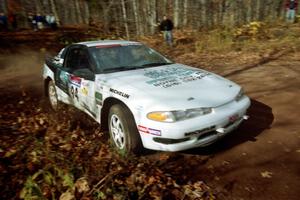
143,99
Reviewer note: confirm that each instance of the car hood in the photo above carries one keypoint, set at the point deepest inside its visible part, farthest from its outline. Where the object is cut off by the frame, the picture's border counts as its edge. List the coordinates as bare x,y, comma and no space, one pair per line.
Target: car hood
174,84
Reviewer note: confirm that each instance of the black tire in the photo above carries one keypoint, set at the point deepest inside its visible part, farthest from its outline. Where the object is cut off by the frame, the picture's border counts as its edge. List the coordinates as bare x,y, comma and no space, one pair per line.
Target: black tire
52,96
121,122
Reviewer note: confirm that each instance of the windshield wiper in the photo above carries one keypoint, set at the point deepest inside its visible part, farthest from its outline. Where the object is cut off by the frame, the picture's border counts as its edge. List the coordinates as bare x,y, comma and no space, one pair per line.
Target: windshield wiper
122,68
156,64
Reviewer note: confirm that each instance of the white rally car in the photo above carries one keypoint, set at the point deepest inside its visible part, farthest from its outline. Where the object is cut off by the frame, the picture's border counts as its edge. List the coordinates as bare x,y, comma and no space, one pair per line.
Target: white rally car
142,98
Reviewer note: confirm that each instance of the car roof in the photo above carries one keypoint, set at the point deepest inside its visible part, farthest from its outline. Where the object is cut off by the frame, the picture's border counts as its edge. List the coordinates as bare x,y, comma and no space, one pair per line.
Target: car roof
107,42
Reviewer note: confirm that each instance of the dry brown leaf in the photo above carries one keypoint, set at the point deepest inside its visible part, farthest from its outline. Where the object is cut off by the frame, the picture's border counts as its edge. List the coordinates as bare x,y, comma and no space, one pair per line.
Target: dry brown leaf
266,174
67,196
82,185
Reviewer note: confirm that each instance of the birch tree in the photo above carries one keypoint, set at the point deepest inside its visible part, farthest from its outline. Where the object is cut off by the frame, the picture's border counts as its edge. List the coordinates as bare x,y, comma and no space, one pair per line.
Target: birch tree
78,12
136,19
185,12
86,12
152,15
125,18
54,11
176,13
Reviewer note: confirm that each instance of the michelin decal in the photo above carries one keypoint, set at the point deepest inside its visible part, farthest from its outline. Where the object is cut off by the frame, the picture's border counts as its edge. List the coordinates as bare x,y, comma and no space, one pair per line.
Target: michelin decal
119,93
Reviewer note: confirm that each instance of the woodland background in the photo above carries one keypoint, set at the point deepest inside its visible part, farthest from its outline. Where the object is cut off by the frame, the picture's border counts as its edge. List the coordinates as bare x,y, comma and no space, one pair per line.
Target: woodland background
139,17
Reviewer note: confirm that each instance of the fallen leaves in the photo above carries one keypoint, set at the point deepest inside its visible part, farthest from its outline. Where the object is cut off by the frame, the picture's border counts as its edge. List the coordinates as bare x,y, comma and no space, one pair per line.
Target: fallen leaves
66,156
266,174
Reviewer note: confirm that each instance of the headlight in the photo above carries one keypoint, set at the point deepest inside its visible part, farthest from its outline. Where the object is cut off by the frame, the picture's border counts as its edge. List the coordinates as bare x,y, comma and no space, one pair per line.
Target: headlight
173,116
240,95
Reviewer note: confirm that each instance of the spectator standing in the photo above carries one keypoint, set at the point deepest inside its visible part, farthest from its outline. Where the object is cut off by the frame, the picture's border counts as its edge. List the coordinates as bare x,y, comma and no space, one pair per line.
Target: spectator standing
40,21
167,26
291,8
51,21
3,22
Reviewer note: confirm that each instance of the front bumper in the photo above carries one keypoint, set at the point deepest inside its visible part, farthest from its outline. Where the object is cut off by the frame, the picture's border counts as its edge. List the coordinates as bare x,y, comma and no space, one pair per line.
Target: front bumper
196,132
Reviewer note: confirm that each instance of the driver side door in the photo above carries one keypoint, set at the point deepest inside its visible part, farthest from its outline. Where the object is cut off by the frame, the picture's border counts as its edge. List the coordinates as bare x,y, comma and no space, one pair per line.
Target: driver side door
77,78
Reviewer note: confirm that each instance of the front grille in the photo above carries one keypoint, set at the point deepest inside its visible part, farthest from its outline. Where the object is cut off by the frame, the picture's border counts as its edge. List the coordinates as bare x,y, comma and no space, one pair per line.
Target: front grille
202,131
207,135
231,123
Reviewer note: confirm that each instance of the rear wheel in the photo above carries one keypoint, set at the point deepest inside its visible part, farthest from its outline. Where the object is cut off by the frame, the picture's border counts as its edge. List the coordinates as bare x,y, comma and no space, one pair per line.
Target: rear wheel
52,96
123,131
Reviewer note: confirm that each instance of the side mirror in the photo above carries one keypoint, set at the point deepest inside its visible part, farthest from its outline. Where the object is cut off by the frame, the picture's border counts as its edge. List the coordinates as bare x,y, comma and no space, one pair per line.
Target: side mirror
58,60
85,73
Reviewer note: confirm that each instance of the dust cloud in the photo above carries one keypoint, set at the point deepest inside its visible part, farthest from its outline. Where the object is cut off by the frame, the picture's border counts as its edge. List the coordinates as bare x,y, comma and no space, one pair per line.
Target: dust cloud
22,70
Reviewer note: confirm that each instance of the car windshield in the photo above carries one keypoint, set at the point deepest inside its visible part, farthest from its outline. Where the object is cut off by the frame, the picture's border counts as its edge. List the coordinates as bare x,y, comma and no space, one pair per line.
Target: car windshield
112,58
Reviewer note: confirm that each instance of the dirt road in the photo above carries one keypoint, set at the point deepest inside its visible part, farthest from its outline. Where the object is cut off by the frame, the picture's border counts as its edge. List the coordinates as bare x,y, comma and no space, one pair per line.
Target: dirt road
261,160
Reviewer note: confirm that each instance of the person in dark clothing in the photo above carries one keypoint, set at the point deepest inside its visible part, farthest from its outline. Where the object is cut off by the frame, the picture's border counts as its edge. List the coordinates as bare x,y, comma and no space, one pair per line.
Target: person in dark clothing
40,20
167,26
3,22
51,21
291,8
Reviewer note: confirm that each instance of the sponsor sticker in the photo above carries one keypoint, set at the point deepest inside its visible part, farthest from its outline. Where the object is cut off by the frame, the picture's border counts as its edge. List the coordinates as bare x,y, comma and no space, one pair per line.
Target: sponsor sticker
74,92
85,83
233,118
75,80
84,91
98,97
63,76
151,131
173,76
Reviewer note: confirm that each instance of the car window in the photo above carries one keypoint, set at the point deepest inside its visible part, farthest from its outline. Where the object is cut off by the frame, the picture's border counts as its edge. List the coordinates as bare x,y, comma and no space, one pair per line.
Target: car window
125,57
77,58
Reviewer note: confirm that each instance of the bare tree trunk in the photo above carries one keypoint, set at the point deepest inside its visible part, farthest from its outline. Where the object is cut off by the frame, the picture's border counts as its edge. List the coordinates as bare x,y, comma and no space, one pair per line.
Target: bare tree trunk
176,13
78,12
152,15
249,11
38,6
54,11
185,12
198,15
3,6
86,12
116,19
136,19
143,14
125,18
223,10
165,3
146,14
70,13
279,9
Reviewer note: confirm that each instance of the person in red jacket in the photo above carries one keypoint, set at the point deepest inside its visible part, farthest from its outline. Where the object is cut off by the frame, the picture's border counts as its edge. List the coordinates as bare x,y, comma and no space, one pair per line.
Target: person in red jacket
291,9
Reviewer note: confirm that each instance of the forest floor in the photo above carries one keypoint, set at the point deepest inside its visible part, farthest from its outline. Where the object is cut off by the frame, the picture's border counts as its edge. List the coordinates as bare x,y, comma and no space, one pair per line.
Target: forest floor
50,155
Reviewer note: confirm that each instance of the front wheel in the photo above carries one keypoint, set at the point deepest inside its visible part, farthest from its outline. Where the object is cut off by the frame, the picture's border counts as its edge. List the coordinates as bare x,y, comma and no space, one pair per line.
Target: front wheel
123,131
52,96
